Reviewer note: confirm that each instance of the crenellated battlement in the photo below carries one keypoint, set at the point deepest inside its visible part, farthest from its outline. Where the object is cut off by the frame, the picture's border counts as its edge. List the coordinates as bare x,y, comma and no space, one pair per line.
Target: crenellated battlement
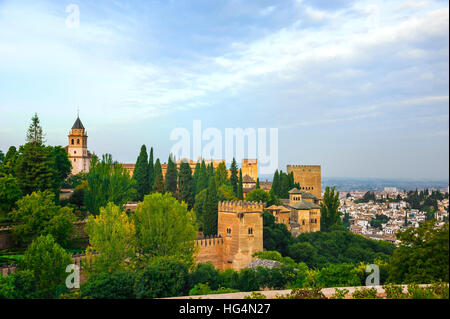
240,206
209,241
304,166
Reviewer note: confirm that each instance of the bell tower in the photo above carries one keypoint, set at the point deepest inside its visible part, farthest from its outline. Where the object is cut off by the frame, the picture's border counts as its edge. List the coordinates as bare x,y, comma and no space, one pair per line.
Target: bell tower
77,148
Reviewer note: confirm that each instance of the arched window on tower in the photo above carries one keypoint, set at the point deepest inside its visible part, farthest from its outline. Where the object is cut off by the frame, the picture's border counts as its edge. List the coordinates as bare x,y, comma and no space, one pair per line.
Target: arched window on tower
78,141
73,141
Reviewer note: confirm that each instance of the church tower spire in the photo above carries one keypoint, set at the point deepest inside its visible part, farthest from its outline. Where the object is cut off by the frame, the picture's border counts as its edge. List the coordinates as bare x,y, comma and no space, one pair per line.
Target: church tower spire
77,150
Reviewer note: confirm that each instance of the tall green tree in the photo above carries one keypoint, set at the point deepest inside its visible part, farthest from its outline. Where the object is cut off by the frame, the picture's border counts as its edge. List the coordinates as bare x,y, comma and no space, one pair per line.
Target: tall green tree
284,185
61,165
151,171
225,193
48,261
329,209
9,161
195,177
171,175
210,209
35,169
35,133
200,199
158,186
202,180
234,176
107,181
210,170
276,184
140,175
112,236
422,256
185,190
37,214
164,227
240,191
221,174
257,184
258,195
10,193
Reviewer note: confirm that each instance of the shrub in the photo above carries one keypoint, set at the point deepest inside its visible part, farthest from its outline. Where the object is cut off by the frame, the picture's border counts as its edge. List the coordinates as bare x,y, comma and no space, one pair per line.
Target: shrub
119,285
437,290
7,290
339,275
394,291
255,295
365,293
339,293
163,277
204,289
205,273
24,284
48,261
304,293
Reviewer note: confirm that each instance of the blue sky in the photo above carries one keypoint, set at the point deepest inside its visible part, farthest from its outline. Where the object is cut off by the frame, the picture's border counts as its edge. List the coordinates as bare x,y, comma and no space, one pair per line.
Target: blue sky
359,87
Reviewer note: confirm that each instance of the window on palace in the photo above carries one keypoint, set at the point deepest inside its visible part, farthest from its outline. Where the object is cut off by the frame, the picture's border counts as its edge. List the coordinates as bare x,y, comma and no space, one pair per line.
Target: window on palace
250,231
228,231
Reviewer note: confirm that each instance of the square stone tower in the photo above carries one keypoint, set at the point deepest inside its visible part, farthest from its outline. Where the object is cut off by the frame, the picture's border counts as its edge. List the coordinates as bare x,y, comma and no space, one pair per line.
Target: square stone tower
77,150
250,167
240,224
309,178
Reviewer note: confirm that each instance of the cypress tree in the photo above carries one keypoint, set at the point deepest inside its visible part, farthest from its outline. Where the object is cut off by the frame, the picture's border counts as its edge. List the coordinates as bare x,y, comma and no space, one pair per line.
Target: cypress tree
171,175
234,177
195,177
210,209
210,170
240,194
140,175
257,183
291,180
158,186
202,181
151,170
284,185
185,191
276,187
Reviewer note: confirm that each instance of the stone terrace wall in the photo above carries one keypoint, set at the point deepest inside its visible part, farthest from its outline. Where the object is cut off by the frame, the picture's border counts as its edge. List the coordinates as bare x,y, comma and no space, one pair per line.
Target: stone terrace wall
5,238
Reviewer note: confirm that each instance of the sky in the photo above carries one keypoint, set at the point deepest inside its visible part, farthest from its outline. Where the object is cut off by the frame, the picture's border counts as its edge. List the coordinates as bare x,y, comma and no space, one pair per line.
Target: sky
358,87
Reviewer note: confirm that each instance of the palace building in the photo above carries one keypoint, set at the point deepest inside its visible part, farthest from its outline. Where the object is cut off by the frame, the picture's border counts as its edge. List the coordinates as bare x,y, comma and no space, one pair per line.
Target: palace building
300,213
